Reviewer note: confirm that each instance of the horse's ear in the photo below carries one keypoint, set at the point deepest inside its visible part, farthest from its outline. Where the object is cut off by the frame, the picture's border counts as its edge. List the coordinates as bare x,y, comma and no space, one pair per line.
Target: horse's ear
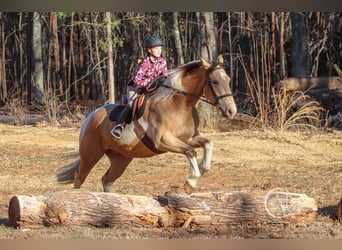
220,59
205,63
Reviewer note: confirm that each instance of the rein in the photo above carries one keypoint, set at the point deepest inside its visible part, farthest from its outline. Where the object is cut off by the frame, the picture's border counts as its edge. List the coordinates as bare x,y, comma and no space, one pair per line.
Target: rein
202,98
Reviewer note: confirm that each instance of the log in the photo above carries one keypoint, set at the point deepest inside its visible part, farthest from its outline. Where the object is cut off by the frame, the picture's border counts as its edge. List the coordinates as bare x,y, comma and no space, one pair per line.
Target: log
329,99
81,207
339,210
306,83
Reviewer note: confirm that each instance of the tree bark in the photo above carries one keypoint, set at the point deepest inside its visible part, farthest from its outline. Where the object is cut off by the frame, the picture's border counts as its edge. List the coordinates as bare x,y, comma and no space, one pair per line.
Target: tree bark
110,59
3,82
178,41
208,40
300,45
55,45
81,207
38,60
282,71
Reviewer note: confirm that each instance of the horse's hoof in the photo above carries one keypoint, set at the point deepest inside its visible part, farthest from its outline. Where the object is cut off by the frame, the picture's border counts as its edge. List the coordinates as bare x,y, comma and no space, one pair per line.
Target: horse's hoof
204,172
107,189
188,188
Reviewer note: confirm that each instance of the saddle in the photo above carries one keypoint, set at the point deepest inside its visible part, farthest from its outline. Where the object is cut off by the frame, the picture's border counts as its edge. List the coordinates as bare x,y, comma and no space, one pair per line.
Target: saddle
118,113
138,110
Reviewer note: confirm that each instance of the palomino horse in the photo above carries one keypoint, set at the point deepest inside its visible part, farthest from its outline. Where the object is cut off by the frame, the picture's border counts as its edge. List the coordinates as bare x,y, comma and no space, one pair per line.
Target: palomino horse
170,121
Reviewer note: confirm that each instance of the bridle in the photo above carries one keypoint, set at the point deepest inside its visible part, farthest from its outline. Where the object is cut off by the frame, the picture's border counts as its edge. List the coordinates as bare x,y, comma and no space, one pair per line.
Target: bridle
217,98
202,98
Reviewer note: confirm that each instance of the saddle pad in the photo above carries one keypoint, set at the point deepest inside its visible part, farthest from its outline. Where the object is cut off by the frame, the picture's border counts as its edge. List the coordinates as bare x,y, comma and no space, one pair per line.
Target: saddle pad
115,113
139,106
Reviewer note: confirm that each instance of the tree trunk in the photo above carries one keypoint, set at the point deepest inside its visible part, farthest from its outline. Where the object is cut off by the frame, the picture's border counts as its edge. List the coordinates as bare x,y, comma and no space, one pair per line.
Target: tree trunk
208,40
219,209
98,57
38,60
300,45
71,62
178,41
274,46
110,59
282,49
198,34
231,74
55,45
3,82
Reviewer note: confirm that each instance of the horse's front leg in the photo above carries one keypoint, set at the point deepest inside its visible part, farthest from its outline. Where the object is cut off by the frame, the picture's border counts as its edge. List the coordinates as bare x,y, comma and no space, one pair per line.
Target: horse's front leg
173,144
200,142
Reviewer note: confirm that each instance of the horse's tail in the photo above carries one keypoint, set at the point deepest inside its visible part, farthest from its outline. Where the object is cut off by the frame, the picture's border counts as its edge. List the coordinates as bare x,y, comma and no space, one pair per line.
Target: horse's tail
66,174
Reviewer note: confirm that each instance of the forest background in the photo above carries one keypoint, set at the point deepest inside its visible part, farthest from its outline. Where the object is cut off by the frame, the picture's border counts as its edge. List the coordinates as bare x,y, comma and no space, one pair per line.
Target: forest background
71,62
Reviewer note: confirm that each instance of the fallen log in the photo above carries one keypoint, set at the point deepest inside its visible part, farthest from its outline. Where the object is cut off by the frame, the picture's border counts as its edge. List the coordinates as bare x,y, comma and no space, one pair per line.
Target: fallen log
339,210
329,99
306,83
81,207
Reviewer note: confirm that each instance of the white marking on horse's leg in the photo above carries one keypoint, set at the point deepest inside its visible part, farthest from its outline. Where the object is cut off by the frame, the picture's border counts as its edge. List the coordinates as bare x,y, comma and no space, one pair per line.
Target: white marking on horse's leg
208,151
117,167
108,187
194,173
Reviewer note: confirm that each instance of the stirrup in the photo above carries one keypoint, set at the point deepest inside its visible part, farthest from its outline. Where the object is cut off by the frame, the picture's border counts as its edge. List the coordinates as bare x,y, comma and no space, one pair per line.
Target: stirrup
116,131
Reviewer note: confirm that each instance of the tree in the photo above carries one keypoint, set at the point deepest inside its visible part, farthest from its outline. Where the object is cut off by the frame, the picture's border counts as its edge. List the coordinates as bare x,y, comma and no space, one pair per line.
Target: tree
300,49
208,40
178,41
38,60
110,59
3,84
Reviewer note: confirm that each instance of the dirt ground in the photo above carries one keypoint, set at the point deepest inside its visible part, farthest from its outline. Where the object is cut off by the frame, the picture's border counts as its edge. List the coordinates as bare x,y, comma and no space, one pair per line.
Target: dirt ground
243,159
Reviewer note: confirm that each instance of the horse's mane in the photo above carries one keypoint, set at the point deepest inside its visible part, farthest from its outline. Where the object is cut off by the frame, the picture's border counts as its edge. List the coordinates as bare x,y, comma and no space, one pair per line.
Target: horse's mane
173,84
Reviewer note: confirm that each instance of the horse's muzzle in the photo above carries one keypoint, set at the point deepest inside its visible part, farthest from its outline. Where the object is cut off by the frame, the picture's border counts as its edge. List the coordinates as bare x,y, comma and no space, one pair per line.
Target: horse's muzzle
229,112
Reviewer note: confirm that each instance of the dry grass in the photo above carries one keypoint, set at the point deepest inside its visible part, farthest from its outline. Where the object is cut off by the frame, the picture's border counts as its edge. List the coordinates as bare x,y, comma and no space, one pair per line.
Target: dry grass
294,110
307,163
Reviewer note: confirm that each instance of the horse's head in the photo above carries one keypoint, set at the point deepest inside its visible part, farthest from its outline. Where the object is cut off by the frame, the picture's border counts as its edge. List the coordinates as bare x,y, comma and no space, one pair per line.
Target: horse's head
217,89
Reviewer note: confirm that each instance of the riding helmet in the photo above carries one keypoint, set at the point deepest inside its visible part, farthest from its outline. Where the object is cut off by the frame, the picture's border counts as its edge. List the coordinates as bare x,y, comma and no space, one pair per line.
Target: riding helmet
151,41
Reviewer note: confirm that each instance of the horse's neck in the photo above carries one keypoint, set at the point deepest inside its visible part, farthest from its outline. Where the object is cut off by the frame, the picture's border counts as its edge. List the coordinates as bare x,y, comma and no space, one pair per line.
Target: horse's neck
186,95
194,84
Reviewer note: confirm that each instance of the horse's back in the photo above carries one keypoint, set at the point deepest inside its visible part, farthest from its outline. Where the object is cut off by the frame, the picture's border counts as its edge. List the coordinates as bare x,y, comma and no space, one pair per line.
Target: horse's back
97,127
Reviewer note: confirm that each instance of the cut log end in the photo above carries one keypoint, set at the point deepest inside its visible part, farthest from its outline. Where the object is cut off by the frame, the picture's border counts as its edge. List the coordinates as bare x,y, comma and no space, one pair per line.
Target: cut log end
339,211
14,212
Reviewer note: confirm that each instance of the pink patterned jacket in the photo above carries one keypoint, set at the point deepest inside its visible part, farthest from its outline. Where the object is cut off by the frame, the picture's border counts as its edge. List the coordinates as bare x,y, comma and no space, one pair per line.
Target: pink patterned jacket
148,70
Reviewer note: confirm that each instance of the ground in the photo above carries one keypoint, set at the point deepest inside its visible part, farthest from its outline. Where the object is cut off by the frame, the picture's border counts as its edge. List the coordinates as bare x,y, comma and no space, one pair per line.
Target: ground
243,159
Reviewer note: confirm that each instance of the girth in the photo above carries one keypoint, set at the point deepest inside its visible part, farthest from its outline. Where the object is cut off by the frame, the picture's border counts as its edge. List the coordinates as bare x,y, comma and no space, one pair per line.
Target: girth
141,134
137,112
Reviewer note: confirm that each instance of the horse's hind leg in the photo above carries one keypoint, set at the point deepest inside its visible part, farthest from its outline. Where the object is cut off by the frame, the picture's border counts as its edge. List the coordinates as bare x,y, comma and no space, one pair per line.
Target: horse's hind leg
89,156
118,164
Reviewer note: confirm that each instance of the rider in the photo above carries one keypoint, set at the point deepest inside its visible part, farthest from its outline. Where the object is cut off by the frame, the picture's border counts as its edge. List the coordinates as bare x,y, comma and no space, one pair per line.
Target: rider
149,70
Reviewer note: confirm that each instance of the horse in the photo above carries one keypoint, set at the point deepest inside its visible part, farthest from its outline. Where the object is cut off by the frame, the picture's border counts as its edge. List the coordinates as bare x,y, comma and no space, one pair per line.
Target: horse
170,123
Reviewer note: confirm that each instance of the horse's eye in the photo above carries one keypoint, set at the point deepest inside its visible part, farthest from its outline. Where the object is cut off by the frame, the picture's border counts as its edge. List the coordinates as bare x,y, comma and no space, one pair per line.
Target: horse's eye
215,82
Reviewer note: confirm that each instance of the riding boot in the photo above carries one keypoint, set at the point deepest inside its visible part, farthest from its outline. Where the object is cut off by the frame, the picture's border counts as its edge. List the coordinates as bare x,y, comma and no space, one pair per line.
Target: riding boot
116,131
